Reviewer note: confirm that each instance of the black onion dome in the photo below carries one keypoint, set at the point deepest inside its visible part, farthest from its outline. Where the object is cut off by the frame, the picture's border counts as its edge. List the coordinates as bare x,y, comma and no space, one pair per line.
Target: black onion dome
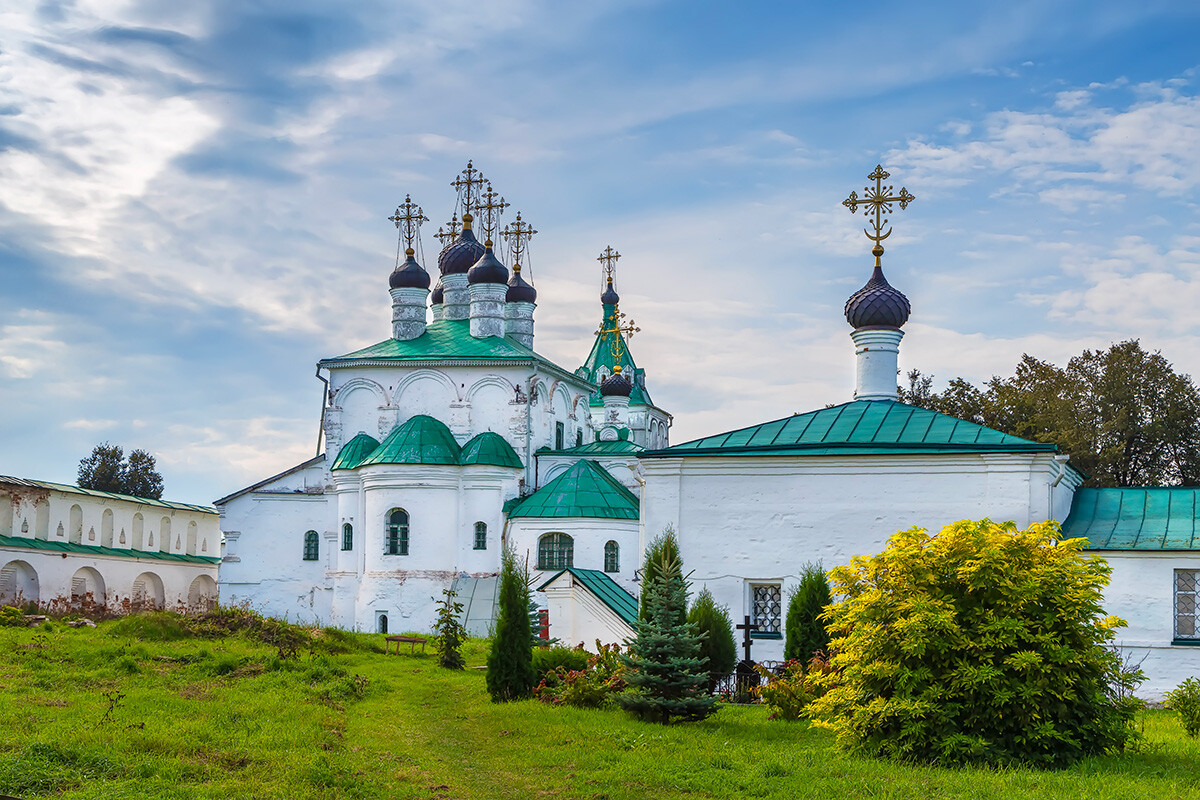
878,304
488,269
461,254
616,385
439,295
519,291
610,296
409,275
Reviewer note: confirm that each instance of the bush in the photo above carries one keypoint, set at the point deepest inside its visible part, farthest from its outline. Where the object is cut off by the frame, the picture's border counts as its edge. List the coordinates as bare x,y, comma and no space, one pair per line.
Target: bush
1185,699
789,691
982,644
806,632
549,659
594,685
450,632
718,649
11,617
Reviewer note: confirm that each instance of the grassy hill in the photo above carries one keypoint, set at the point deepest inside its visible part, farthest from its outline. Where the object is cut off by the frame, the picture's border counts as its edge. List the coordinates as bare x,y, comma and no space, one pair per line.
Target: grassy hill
143,707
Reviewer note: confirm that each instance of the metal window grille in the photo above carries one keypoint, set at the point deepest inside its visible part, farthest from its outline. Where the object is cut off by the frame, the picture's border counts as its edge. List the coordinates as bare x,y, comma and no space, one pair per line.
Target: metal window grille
556,551
347,537
612,562
1186,605
765,606
396,539
481,536
311,546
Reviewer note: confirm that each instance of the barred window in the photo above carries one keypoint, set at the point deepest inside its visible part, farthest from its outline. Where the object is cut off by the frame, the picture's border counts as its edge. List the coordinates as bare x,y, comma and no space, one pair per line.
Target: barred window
481,536
612,561
396,538
347,537
765,606
1186,605
556,551
311,546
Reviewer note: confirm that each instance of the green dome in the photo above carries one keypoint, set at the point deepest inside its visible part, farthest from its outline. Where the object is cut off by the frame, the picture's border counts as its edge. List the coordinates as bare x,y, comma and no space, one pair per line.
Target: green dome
490,448
354,451
421,440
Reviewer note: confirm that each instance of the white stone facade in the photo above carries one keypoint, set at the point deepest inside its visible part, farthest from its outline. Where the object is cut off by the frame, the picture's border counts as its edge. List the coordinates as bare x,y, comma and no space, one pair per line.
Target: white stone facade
63,548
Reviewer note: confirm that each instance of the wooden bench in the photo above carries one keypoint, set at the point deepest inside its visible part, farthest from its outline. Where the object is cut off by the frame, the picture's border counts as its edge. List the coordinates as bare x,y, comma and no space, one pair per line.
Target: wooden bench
412,642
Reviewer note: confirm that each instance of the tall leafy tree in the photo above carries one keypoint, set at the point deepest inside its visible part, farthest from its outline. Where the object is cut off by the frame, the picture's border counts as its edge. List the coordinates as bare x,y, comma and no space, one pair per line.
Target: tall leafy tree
510,672
806,632
717,648
106,470
665,670
1123,414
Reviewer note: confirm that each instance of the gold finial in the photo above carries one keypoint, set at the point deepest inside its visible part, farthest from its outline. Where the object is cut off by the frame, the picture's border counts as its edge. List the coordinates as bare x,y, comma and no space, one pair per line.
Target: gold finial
616,325
517,234
609,259
468,184
490,207
878,200
408,219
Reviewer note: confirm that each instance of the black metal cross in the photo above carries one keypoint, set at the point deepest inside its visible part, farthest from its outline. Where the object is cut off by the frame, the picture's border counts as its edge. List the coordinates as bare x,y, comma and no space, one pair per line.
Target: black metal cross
747,626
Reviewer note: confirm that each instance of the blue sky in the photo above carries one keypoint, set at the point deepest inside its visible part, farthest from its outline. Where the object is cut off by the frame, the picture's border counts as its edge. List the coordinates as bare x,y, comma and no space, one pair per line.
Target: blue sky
193,198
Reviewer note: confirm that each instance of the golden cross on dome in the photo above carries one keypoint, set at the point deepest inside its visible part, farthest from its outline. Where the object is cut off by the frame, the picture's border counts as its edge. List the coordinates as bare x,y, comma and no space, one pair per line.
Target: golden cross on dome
878,200
450,232
609,259
517,234
408,222
617,326
490,207
468,184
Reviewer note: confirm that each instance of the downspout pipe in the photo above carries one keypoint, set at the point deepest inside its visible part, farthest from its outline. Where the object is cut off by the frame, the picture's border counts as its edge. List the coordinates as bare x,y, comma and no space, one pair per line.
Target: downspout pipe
324,405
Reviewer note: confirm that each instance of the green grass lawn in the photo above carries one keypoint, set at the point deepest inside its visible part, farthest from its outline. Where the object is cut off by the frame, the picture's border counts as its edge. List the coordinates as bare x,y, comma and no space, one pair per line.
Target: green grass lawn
108,713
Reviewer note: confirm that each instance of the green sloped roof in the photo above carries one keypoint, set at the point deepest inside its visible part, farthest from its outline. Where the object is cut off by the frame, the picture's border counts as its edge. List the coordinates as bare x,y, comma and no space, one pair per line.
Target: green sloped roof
420,440
1136,518
96,550
601,355
490,448
355,451
614,448
146,501
584,490
622,603
861,427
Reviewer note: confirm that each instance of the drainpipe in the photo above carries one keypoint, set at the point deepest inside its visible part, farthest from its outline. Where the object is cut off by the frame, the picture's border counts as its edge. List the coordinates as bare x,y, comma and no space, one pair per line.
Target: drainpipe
324,402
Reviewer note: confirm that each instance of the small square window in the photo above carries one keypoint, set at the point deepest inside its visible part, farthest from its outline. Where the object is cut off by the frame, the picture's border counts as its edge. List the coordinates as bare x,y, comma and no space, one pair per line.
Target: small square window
1187,608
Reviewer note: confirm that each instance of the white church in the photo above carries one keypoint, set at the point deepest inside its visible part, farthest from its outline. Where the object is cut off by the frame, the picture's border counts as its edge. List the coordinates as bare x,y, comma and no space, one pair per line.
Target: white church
453,437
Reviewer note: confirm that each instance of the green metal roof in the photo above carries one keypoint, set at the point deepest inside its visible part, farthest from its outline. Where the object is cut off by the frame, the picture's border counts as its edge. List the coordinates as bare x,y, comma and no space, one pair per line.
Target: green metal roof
355,451
861,427
584,490
602,356
420,440
146,501
1136,518
490,448
622,603
95,550
614,448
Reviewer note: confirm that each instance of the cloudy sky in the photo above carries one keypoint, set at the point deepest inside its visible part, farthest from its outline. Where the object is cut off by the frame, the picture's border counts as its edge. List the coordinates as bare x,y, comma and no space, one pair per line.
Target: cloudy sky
193,197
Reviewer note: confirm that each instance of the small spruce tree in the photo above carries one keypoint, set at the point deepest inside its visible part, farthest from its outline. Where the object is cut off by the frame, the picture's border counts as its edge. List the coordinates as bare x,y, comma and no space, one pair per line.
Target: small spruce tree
665,671
450,632
806,632
718,647
510,673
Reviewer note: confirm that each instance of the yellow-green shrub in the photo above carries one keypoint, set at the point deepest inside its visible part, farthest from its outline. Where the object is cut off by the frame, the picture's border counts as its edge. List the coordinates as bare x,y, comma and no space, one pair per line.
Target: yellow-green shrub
980,644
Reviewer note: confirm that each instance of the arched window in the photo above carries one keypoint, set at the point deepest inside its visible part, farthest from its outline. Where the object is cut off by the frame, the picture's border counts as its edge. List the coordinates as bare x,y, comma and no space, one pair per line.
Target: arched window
311,546
396,541
347,537
612,557
481,536
556,551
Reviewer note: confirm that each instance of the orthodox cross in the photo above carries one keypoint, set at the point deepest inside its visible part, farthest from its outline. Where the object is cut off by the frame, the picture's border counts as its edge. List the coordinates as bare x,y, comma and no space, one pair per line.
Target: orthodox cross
746,627
878,200
618,326
408,219
517,234
468,184
490,207
609,259
448,235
